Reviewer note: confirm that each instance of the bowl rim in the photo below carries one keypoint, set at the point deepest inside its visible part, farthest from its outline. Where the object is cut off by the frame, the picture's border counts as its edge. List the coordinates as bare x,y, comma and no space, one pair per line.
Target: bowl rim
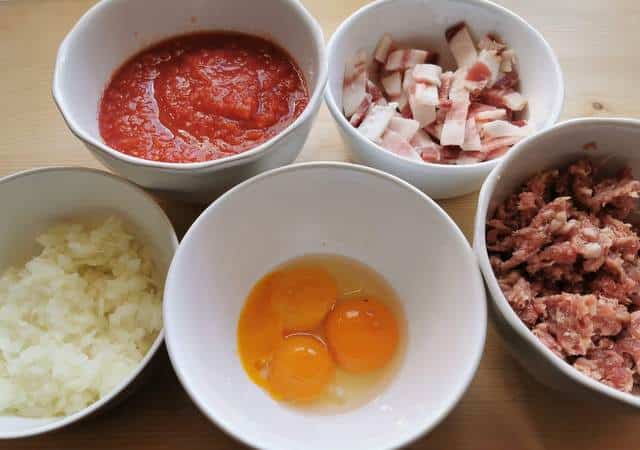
476,348
553,116
252,154
61,422
496,296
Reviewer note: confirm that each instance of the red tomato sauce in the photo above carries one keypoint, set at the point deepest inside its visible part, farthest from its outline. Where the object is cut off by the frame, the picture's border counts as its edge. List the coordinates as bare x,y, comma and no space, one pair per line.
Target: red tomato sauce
201,97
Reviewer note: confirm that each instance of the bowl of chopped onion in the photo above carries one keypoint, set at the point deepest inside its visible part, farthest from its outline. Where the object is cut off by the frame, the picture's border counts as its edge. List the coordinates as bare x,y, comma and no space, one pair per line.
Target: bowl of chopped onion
83,259
437,91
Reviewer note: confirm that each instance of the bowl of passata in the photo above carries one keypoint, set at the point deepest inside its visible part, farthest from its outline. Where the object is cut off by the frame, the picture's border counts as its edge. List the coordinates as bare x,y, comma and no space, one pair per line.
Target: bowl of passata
191,100
347,313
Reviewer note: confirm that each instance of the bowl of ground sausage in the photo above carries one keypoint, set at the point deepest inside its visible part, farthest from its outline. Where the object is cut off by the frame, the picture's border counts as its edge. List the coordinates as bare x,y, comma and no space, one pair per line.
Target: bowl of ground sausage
197,100
557,237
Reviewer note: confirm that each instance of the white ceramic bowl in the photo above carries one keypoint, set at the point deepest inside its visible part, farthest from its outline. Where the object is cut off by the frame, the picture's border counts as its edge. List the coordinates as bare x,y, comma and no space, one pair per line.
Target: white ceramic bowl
617,142
114,30
326,208
423,23
34,200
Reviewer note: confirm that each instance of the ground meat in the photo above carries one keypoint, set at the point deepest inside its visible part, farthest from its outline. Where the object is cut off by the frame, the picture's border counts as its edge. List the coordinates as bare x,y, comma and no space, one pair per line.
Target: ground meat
567,261
608,367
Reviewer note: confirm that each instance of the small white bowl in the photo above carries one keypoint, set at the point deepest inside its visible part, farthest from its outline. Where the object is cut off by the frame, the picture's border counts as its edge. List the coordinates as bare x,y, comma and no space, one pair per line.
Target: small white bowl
114,30
36,199
334,208
617,142
423,23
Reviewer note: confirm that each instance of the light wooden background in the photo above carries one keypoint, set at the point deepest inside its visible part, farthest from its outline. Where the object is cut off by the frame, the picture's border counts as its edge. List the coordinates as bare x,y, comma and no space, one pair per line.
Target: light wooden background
597,43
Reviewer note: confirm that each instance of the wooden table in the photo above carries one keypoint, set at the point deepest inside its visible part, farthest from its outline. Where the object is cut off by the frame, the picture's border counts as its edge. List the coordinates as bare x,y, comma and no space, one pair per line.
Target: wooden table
504,408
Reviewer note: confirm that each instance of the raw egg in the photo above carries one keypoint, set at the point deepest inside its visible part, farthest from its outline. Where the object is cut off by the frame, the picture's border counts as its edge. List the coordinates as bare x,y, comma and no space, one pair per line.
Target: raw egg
362,334
301,369
303,296
322,332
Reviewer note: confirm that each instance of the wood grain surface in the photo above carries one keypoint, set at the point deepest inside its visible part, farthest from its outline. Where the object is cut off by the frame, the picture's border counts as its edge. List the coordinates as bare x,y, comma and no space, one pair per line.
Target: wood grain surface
596,42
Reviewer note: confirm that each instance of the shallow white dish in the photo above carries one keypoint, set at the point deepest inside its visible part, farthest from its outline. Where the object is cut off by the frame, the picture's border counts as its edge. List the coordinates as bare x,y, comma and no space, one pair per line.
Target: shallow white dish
334,208
423,23
114,30
36,199
617,142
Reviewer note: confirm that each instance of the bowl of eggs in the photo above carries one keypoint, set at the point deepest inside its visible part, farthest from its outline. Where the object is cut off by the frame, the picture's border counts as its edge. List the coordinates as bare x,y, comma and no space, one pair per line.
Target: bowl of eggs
290,311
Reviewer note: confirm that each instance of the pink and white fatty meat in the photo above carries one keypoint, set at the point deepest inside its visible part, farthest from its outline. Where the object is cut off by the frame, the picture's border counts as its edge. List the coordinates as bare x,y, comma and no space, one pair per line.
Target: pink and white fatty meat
412,107
565,250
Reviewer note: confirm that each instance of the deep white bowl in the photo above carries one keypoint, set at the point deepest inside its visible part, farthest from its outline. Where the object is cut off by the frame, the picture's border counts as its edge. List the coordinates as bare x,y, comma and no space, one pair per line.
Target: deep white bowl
114,30
334,208
34,200
617,143
423,23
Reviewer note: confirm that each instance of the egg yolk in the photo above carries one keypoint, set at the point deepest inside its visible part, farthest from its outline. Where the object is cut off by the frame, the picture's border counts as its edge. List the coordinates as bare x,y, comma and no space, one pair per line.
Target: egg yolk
303,296
362,334
260,331
301,369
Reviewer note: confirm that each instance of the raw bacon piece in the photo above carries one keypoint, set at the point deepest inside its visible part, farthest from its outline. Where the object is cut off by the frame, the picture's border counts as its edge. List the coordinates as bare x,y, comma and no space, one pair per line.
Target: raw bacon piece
403,102
494,114
361,112
426,94
381,52
459,89
424,145
504,98
421,139
508,60
408,83
392,84
467,157
406,128
486,113
402,59
375,92
514,101
497,153
492,61
431,154
427,73
454,124
461,45
423,101
445,84
355,83
490,42
502,128
479,72
508,80
377,120
472,142
395,143
423,112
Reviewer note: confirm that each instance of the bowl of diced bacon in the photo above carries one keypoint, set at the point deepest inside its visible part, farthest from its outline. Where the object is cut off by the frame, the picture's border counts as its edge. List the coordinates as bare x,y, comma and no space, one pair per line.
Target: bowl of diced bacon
557,242
437,91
